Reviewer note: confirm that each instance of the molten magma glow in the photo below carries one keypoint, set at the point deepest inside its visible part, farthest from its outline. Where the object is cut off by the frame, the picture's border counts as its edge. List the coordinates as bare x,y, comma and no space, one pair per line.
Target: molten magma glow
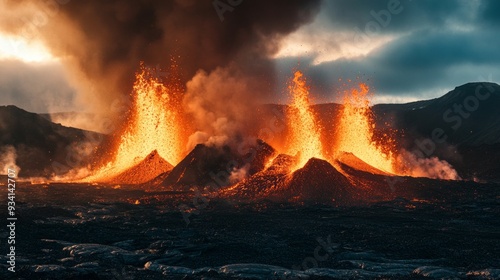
304,139
154,125
355,132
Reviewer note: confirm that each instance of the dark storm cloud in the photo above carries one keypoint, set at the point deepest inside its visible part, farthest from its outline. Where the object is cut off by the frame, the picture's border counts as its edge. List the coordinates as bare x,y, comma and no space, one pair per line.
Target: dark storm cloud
417,62
415,14
428,50
436,46
489,11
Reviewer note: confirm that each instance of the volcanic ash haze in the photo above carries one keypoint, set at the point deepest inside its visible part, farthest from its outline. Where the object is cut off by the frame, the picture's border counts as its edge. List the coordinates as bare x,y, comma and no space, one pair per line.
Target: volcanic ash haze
102,42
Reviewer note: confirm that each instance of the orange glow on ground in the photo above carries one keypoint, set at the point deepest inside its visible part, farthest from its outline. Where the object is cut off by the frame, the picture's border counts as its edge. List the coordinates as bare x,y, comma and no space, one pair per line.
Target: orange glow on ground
155,124
355,132
304,139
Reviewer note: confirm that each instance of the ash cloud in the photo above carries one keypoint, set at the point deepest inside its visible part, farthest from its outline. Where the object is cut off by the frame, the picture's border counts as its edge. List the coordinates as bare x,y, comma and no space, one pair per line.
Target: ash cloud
221,106
102,42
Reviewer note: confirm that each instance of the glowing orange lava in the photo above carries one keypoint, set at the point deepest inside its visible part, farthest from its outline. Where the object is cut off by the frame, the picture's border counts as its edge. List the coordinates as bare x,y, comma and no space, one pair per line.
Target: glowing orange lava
304,139
154,125
355,132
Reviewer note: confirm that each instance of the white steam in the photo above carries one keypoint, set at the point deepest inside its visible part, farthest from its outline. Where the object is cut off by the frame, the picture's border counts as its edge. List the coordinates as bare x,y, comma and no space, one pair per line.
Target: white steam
426,167
238,174
8,158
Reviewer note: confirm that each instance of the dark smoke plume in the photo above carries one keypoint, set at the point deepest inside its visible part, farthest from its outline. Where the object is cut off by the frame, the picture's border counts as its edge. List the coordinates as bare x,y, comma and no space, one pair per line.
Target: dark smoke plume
103,41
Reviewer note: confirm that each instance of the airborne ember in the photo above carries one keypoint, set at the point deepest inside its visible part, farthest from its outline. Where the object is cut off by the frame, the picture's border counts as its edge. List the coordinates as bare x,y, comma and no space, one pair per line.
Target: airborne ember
154,125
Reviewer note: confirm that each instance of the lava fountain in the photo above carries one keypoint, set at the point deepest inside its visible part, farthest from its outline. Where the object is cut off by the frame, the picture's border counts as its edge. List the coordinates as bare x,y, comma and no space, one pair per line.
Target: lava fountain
355,132
304,138
154,124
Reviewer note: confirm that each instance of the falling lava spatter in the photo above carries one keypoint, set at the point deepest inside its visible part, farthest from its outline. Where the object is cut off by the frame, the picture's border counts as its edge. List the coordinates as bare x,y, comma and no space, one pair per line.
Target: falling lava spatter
305,133
355,132
155,124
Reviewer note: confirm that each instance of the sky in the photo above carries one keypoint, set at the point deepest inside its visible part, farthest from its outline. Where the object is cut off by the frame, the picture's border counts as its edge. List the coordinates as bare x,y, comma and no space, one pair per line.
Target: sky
404,50
422,51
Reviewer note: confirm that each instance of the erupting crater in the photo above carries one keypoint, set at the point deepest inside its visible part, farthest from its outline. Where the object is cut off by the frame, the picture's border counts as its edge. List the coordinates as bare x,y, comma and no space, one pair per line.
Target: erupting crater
354,135
353,142
305,133
153,135
343,165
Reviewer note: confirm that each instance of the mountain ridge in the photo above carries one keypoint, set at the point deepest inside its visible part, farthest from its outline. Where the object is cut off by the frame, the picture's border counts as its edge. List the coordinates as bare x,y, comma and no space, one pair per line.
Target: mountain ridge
43,148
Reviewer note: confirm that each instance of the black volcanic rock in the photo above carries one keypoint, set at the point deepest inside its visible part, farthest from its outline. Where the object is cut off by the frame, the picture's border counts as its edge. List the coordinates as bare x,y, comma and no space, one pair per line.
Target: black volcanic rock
196,167
42,147
281,164
319,181
265,183
212,166
258,156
